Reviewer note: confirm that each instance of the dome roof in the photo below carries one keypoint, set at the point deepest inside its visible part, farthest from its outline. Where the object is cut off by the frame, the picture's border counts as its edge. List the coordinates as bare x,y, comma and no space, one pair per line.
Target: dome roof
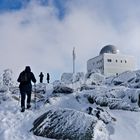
109,49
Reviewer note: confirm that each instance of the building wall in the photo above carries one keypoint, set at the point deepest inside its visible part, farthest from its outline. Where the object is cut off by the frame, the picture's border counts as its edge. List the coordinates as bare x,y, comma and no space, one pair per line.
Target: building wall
117,63
111,64
96,64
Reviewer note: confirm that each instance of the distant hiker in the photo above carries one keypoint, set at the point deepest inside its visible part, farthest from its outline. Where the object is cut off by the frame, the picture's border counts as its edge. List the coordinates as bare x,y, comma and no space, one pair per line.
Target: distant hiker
25,86
41,77
48,77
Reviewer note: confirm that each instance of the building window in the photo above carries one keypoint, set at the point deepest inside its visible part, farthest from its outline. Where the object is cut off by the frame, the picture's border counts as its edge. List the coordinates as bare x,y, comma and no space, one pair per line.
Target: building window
121,61
116,61
125,61
109,60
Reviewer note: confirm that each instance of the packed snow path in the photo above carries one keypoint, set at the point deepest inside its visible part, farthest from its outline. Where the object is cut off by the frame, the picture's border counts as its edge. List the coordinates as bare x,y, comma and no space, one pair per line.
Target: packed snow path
16,125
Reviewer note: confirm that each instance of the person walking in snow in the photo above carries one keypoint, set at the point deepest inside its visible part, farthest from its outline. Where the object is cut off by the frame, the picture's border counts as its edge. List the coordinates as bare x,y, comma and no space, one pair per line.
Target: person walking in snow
48,77
25,86
41,77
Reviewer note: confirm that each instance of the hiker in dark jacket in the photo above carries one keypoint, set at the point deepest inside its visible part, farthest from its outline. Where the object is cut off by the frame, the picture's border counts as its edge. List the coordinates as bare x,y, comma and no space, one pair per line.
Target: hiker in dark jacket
41,77
48,77
25,86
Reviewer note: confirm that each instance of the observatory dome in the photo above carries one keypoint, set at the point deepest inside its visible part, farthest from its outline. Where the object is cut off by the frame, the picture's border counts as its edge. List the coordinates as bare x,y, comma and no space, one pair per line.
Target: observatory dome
109,49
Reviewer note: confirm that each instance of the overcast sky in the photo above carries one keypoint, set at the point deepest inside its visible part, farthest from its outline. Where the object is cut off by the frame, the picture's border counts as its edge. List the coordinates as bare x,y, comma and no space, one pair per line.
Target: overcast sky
42,33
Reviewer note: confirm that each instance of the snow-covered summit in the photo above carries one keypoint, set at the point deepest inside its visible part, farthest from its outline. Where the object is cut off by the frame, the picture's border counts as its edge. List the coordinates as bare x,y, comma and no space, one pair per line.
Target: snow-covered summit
91,107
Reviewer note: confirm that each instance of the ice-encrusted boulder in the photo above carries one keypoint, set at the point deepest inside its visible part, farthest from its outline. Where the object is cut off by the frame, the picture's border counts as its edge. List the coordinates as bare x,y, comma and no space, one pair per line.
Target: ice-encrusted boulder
62,89
124,77
65,124
58,87
40,88
113,97
79,76
95,79
4,96
7,77
69,78
129,79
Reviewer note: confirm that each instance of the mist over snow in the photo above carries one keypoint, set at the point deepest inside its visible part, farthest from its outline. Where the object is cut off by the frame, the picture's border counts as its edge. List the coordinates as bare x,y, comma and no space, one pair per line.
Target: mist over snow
35,34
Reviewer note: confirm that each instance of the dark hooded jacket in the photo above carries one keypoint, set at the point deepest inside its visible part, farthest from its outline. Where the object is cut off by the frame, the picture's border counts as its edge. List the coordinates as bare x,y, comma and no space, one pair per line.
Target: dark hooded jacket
26,86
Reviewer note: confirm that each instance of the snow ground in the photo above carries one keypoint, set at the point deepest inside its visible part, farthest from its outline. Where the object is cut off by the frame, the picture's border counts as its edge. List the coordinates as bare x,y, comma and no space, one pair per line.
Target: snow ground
127,125
15,125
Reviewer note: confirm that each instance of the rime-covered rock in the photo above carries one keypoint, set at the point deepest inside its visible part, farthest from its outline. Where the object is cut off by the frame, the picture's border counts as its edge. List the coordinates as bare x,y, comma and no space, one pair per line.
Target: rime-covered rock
129,79
65,124
3,89
86,87
67,78
95,79
62,89
7,77
125,77
40,88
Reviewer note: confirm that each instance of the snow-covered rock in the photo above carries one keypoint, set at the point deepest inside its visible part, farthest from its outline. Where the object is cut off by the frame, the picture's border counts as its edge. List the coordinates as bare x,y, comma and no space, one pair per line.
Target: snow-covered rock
113,97
67,78
7,77
39,88
65,124
61,88
95,79
124,77
129,79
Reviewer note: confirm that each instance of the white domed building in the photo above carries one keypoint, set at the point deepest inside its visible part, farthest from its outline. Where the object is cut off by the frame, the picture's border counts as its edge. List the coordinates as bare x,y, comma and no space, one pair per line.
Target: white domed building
111,62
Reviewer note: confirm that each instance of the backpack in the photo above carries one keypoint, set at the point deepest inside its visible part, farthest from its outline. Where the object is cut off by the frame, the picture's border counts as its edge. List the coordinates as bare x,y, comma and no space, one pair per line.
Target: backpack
24,77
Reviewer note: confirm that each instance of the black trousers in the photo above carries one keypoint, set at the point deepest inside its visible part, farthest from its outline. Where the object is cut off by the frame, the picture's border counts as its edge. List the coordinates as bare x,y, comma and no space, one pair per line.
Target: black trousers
23,97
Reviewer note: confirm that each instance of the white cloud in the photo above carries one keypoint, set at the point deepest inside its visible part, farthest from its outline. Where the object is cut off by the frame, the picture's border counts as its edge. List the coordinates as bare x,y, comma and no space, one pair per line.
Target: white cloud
36,36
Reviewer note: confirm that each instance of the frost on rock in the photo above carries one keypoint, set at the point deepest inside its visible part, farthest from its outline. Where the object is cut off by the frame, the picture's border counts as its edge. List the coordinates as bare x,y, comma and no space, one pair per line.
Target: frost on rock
3,89
61,88
69,78
121,98
129,79
65,124
124,77
39,88
95,79
101,114
101,132
3,94
7,77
